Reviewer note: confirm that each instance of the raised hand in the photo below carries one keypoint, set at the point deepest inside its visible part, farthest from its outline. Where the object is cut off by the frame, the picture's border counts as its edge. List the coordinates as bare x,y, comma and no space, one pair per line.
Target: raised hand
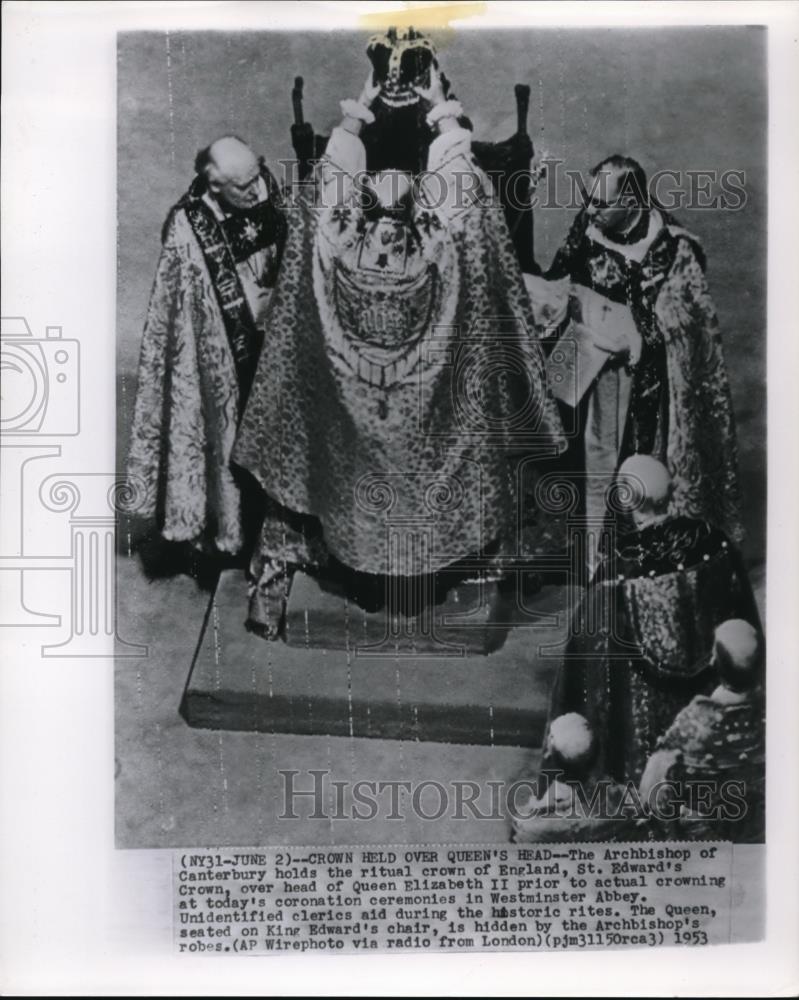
434,94
369,92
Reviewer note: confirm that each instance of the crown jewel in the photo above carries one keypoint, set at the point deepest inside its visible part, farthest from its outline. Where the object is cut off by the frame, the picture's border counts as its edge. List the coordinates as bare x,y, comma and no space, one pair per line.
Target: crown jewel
401,61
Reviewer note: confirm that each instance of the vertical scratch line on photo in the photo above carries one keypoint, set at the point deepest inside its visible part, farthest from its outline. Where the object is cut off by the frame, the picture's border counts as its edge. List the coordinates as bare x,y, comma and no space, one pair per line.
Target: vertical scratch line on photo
161,796
331,790
308,672
348,651
625,83
171,108
220,735
259,745
272,736
350,712
541,127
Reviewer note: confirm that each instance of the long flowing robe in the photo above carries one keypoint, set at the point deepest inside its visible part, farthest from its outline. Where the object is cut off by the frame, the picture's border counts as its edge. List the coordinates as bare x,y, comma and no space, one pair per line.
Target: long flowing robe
716,743
675,403
642,637
200,344
403,372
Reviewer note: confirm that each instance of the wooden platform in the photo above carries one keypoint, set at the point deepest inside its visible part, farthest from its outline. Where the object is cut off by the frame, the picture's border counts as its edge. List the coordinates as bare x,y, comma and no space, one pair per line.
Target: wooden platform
347,672
471,619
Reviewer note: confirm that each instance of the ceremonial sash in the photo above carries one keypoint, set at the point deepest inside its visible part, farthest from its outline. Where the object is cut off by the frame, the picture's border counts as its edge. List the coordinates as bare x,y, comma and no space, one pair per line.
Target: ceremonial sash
243,335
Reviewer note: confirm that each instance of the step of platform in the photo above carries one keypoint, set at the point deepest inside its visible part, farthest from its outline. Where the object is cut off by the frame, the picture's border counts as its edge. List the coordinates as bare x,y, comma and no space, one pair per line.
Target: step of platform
240,681
472,618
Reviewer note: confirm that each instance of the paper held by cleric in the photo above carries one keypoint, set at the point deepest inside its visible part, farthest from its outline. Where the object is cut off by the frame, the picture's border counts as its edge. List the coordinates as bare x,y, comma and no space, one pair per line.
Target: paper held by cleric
611,323
599,329
574,363
263,901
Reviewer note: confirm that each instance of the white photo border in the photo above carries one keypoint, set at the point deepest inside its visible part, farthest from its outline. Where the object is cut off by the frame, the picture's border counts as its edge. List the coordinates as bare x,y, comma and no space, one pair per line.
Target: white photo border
76,916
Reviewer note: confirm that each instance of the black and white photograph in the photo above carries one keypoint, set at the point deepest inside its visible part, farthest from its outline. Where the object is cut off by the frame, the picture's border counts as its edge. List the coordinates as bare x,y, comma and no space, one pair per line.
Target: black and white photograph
444,422
427,574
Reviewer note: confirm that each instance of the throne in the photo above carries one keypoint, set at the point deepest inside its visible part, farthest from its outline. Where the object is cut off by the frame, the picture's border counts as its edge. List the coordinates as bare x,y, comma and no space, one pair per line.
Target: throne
400,61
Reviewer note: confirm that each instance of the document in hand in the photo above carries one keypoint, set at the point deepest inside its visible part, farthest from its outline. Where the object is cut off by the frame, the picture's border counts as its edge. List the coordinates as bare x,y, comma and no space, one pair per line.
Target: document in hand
611,323
574,363
549,300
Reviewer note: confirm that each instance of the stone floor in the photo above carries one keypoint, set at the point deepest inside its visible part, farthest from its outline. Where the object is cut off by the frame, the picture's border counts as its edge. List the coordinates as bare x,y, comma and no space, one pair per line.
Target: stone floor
184,786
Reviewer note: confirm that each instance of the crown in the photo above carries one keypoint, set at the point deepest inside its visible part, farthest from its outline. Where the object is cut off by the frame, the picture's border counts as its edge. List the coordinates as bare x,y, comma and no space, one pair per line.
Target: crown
400,62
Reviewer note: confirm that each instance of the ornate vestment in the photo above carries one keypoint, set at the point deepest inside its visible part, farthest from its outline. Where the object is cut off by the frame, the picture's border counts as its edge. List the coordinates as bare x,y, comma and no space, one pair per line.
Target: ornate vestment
675,402
716,744
643,635
403,371
201,340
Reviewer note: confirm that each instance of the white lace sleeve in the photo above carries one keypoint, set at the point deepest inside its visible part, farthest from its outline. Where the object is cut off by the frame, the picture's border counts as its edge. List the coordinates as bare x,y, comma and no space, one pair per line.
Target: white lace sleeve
344,160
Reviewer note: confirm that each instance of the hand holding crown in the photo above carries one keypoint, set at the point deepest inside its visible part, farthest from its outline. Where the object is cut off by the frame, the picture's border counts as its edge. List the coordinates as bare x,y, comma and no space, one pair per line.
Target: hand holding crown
370,90
434,94
357,113
444,111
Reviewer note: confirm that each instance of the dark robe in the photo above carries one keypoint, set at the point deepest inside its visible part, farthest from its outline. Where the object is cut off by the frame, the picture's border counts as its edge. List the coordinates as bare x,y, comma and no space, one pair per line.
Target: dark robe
680,407
642,637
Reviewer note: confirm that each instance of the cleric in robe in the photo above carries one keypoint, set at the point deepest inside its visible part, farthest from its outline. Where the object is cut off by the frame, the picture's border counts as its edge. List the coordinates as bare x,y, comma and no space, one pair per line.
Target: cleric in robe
642,637
718,741
222,244
403,368
638,278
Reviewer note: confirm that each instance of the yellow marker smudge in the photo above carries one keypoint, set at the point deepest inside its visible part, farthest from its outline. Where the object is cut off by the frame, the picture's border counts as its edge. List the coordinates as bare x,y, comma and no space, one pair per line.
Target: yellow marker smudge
423,16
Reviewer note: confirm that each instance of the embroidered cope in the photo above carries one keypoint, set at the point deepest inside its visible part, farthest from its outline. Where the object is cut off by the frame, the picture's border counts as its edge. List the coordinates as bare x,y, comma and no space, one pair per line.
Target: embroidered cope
201,340
403,372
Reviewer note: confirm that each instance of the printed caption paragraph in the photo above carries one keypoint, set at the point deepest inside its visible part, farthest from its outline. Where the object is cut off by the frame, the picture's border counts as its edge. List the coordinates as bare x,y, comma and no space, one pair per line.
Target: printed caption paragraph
513,897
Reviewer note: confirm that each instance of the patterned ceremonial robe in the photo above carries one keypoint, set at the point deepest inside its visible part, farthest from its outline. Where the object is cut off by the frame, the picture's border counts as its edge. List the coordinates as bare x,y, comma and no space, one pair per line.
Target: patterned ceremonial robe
402,372
716,740
675,402
202,339
642,636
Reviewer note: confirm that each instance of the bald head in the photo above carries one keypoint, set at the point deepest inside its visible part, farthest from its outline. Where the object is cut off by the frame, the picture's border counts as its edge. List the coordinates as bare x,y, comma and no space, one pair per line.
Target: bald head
232,171
571,742
738,654
649,483
231,158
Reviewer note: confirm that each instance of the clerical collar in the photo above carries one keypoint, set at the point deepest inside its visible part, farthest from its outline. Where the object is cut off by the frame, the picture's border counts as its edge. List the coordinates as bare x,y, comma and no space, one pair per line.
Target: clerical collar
633,235
637,245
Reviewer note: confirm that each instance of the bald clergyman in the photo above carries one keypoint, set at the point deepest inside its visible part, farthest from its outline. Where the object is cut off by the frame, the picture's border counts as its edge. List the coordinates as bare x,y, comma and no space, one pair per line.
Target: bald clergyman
642,638
222,244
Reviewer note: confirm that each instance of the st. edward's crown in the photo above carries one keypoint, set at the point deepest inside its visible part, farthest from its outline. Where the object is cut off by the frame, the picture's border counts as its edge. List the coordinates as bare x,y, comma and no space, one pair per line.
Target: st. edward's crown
401,61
